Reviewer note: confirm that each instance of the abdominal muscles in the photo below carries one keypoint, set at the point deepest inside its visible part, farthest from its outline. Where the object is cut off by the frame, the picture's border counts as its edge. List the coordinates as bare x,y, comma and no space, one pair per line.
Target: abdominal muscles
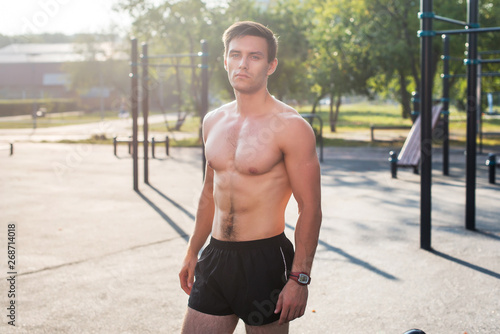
249,206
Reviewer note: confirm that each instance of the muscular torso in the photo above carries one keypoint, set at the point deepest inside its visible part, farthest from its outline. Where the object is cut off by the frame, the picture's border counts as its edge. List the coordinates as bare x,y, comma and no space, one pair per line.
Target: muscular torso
251,185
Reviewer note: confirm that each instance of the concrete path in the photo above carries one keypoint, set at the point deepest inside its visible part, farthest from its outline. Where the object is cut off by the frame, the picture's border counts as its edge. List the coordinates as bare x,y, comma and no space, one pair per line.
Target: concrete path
93,256
78,132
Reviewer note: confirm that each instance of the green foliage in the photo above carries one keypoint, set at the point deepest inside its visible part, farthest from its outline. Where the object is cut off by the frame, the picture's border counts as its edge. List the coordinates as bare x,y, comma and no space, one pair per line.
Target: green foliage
332,48
327,47
27,106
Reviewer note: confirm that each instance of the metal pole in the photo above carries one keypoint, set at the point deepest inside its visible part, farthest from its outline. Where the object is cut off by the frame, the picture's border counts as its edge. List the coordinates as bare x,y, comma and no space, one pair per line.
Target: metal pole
204,96
470,181
468,31
426,126
446,105
491,163
393,159
153,147
167,146
134,106
479,113
101,89
446,19
145,108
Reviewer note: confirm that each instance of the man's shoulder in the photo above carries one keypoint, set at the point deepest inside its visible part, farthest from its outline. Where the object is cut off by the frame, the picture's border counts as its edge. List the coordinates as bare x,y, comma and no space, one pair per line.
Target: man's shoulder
219,112
290,116
293,126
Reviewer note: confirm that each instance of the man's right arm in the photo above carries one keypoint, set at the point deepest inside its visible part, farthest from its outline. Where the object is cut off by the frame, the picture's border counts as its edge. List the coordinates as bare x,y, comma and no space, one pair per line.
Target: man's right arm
202,229
203,221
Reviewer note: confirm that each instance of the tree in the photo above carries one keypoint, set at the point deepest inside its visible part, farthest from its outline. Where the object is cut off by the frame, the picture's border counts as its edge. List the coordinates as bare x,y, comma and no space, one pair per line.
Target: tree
338,58
391,31
489,15
174,27
103,65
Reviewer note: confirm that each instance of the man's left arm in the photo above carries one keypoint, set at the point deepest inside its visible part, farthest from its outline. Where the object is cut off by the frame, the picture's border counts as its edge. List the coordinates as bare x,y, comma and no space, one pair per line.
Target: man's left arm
302,165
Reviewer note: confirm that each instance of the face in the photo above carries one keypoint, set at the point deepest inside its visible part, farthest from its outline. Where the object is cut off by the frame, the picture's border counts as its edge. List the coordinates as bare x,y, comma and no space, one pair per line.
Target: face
246,64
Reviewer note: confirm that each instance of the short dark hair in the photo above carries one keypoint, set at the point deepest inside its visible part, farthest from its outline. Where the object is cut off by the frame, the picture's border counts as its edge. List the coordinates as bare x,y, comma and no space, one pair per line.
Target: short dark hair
249,28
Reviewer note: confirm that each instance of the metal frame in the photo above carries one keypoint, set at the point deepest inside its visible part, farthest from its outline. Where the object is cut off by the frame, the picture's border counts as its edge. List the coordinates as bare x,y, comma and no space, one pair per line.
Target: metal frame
426,34
145,98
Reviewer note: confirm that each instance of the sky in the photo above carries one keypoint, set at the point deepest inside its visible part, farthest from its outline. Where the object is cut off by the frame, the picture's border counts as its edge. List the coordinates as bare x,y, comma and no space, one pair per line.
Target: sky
21,17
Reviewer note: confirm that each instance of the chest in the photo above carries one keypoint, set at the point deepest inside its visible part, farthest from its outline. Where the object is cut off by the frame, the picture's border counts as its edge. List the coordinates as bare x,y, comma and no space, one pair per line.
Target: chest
249,147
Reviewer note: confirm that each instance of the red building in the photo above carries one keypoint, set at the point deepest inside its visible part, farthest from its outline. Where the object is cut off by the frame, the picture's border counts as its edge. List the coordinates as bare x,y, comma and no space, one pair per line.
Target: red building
35,71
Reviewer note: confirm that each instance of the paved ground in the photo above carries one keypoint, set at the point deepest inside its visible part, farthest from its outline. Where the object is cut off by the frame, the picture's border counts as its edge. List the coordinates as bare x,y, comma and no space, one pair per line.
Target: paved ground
93,256
109,128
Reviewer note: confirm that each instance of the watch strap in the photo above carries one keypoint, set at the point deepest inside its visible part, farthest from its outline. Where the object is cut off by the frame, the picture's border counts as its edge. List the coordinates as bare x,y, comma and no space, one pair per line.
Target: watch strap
301,277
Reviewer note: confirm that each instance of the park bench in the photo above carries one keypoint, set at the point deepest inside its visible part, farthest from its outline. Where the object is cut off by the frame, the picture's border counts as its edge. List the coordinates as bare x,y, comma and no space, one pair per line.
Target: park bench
410,153
153,142
384,127
490,134
9,147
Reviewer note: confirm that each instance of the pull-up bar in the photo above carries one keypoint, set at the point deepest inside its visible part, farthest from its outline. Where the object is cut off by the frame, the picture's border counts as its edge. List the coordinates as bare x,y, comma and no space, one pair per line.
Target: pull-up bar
145,97
176,65
489,61
177,55
422,15
468,31
472,31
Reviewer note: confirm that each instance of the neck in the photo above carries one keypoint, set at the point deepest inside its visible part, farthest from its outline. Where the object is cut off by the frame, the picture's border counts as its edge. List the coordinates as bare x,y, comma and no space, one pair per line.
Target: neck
252,104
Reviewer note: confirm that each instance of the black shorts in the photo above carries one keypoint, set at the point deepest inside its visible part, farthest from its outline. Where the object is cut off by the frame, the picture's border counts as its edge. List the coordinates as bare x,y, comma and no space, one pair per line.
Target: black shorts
243,278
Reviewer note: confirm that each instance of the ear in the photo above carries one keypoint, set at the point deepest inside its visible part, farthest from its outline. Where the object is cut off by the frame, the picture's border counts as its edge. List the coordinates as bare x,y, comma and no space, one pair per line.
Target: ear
272,66
225,63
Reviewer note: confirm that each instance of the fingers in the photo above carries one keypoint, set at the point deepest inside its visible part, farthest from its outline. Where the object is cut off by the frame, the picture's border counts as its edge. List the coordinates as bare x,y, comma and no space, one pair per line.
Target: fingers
289,314
279,308
186,279
183,281
279,304
290,309
186,275
190,281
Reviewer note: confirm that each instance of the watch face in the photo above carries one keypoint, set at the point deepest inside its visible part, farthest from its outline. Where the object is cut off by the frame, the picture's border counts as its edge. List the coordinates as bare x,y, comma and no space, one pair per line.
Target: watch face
304,279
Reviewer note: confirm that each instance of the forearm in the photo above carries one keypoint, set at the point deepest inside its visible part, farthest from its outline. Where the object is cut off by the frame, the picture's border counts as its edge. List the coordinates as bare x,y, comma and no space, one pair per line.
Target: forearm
204,218
306,239
203,225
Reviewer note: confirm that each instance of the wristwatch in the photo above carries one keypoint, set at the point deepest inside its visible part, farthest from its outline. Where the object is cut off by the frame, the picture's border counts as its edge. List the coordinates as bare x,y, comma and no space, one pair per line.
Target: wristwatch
301,278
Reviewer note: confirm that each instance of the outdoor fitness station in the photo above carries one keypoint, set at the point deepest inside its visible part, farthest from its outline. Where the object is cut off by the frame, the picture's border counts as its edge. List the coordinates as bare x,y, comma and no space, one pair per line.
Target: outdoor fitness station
427,116
144,96
426,15
446,76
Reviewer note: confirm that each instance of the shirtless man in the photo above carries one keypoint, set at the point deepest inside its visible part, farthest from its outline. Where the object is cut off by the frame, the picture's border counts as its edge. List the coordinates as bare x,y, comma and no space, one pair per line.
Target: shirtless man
259,151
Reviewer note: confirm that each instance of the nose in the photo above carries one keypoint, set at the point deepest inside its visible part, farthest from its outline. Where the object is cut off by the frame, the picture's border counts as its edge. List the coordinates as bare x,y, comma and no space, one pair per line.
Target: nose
243,63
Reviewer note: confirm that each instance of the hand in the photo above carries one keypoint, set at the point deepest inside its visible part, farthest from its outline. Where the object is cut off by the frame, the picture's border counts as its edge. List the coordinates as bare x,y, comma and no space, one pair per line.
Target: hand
186,275
292,301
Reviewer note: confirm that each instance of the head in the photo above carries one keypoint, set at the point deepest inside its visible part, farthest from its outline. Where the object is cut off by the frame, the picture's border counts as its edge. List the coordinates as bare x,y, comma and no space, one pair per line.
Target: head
248,28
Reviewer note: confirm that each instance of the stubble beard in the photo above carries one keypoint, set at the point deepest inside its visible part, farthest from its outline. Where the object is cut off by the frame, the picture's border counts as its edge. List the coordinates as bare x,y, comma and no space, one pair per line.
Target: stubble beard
247,88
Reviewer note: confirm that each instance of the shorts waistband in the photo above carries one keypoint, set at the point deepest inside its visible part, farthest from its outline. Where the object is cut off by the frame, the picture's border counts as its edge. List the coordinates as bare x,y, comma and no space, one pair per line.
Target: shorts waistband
273,241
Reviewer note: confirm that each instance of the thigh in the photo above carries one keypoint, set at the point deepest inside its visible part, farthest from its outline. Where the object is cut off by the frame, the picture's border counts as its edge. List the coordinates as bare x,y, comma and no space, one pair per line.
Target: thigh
201,323
272,328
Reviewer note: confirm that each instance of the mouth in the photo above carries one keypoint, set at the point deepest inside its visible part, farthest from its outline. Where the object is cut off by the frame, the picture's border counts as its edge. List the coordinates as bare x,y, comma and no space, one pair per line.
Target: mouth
241,75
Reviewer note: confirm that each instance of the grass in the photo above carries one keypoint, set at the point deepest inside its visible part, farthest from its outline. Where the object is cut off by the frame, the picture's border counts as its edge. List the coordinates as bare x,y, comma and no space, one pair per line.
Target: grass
353,119
191,124
357,118
56,119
